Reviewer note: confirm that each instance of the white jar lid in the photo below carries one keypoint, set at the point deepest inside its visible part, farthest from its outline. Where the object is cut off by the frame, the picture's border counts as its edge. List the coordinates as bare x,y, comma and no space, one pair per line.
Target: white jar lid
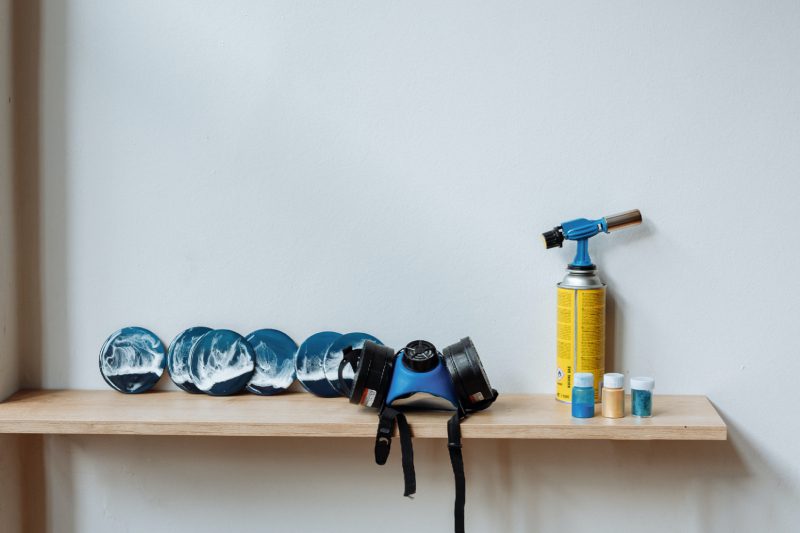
584,379
643,383
613,380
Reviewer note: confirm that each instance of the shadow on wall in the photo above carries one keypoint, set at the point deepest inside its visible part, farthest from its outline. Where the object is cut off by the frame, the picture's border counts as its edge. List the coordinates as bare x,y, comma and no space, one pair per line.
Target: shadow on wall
615,319
40,188
202,484
10,472
27,194
32,207
655,486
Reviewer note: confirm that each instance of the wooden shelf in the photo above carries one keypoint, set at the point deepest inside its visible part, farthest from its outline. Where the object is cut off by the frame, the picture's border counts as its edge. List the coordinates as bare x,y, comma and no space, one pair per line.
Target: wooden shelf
536,416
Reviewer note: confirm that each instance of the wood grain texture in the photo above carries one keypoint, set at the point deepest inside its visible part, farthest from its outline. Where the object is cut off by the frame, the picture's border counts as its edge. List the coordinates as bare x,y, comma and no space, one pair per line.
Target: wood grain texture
536,416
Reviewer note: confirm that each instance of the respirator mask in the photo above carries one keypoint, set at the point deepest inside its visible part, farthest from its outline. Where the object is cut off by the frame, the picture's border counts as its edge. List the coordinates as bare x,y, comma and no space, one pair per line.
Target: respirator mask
419,377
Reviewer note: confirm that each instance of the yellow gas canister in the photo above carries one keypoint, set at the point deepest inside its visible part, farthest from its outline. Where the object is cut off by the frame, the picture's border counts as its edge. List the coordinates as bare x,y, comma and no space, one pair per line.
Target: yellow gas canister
581,333
581,330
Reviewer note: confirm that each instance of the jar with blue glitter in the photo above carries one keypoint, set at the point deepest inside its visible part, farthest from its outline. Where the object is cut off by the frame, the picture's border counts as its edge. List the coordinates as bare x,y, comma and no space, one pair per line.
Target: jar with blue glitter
583,395
642,396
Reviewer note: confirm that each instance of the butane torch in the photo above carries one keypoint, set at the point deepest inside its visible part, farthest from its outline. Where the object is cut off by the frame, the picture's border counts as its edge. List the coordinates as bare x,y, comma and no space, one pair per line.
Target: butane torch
581,330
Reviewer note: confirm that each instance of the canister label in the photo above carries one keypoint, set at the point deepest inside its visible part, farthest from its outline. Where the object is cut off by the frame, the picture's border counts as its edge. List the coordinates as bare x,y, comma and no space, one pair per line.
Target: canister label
580,338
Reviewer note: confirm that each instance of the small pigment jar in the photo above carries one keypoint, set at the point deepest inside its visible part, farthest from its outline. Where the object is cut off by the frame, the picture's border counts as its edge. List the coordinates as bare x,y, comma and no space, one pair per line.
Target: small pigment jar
613,396
583,395
642,396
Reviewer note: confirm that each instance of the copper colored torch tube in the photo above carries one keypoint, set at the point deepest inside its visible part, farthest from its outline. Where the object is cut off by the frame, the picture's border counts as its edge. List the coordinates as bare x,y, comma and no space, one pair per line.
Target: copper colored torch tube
623,220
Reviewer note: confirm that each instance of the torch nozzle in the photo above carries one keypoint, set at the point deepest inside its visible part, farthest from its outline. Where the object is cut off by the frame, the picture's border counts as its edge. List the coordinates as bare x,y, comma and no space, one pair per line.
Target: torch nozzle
623,220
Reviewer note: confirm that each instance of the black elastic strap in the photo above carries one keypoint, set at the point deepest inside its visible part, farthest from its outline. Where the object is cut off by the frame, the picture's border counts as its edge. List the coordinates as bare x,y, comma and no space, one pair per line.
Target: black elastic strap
383,440
383,445
457,462
457,459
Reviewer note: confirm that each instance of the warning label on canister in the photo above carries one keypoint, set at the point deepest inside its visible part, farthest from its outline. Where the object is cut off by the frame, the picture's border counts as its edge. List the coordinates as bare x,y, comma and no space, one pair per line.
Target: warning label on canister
580,338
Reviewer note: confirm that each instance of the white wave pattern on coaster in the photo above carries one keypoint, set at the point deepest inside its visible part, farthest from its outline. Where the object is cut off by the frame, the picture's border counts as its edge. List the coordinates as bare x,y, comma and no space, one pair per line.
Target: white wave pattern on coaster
311,369
266,376
223,362
133,354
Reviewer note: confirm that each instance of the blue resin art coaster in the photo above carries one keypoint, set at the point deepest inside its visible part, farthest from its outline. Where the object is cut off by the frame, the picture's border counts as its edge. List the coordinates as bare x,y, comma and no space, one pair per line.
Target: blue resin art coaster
308,364
178,357
132,360
335,355
221,363
274,361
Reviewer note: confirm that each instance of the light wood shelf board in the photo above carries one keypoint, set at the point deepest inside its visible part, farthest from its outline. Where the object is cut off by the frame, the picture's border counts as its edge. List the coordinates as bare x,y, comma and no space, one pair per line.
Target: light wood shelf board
514,416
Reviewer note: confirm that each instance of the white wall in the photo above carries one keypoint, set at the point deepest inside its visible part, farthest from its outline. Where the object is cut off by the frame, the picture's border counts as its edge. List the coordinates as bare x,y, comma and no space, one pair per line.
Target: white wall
387,167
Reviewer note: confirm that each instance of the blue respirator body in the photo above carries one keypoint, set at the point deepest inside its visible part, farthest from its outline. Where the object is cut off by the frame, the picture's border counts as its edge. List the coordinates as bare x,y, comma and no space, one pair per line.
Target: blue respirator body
385,378
419,370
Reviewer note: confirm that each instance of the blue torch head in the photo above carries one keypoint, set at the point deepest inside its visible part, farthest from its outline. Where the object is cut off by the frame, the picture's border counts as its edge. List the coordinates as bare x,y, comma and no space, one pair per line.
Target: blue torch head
581,230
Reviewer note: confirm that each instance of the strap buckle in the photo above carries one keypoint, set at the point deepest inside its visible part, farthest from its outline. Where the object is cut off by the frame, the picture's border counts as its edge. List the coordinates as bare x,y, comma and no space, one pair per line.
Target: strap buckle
383,439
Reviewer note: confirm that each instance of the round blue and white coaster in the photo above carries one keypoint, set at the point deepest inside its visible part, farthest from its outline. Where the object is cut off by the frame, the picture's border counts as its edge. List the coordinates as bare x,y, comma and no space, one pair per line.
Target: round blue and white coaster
335,355
132,360
178,357
221,363
274,361
308,364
